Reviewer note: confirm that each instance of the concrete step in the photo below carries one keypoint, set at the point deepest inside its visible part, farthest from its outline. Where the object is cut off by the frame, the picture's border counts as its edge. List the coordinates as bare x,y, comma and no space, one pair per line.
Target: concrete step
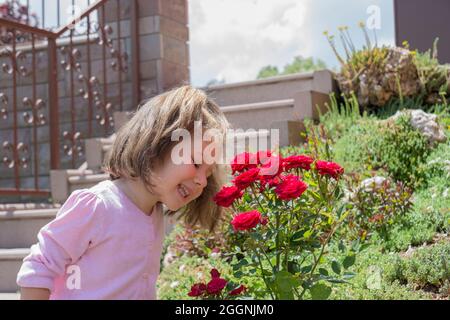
259,115
19,227
10,296
64,182
273,88
10,263
96,151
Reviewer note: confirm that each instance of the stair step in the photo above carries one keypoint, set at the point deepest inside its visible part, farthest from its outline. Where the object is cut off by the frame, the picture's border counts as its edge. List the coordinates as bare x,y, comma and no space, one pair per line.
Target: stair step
10,296
269,89
86,181
19,228
10,263
63,184
259,106
96,151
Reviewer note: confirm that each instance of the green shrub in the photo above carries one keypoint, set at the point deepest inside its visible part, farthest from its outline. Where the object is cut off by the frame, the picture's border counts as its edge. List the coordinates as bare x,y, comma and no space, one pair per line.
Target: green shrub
428,266
355,148
394,147
378,277
401,151
430,215
375,209
415,229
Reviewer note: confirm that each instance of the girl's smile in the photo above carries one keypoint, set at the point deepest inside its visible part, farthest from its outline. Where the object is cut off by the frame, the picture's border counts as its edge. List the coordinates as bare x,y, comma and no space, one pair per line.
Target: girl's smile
183,191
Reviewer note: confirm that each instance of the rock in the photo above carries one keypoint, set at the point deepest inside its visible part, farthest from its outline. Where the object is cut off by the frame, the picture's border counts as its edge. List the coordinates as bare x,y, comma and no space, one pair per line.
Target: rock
368,185
392,73
372,184
426,123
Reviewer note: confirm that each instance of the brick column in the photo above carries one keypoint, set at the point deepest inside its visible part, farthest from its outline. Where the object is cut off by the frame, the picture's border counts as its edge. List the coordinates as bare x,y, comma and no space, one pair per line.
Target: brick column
164,50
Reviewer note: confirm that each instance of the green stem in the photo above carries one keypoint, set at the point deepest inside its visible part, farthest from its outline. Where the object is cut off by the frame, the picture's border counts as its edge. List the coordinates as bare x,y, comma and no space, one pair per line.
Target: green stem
264,277
277,241
257,200
288,233
316,263
260,205
267,258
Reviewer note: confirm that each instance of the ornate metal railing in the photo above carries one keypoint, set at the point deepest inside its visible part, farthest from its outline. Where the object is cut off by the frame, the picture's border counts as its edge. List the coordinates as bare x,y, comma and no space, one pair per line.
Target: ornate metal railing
61,86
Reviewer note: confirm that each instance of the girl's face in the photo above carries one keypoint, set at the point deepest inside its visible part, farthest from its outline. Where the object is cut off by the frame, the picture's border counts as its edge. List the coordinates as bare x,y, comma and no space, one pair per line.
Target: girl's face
179,184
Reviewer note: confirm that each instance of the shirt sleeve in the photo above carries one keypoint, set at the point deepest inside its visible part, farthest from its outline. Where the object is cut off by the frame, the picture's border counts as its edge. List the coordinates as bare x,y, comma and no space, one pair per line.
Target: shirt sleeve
63,241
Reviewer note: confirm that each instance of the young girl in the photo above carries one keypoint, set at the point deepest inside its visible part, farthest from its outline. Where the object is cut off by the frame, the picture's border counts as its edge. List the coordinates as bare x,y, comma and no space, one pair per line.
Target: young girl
106,241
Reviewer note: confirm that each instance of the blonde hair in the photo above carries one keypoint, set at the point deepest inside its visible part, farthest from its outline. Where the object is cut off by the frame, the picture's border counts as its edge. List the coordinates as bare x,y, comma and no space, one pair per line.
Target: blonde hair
146,139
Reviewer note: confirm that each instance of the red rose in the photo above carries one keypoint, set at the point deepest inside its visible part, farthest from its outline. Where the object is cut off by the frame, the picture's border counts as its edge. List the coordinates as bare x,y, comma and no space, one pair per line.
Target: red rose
290,187
301,161
197,290
244,161
216,285
238,290
246,220
270,181
215,273
246,178
329,168
227,195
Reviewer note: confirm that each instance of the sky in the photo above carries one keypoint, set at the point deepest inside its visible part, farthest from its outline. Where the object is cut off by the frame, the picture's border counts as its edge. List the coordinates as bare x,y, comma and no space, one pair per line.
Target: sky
231,40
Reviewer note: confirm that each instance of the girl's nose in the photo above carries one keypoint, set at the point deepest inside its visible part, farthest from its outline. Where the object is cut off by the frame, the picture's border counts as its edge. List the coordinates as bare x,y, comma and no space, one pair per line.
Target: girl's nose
200,179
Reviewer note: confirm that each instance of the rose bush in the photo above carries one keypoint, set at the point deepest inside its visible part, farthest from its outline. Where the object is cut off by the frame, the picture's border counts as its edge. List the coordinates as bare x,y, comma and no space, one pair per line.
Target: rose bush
285,214
214,289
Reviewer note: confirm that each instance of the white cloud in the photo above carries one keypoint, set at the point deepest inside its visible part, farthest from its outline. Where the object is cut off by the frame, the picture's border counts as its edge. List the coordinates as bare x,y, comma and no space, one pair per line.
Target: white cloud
234,39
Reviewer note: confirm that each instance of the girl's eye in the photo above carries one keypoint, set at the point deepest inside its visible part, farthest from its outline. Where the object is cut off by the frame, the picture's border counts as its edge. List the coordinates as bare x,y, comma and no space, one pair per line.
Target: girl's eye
195,164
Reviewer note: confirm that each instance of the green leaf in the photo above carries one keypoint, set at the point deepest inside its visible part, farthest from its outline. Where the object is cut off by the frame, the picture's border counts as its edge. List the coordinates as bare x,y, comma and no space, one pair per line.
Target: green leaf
308,234
348,275
240,264
256,236
306,269
336,280
285,283
349,261
336,267
266,272
320,291
323,272
297,235
247,198
316,196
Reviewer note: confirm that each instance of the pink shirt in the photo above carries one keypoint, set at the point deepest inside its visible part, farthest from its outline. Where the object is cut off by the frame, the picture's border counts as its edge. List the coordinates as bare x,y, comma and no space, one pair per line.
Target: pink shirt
100,246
